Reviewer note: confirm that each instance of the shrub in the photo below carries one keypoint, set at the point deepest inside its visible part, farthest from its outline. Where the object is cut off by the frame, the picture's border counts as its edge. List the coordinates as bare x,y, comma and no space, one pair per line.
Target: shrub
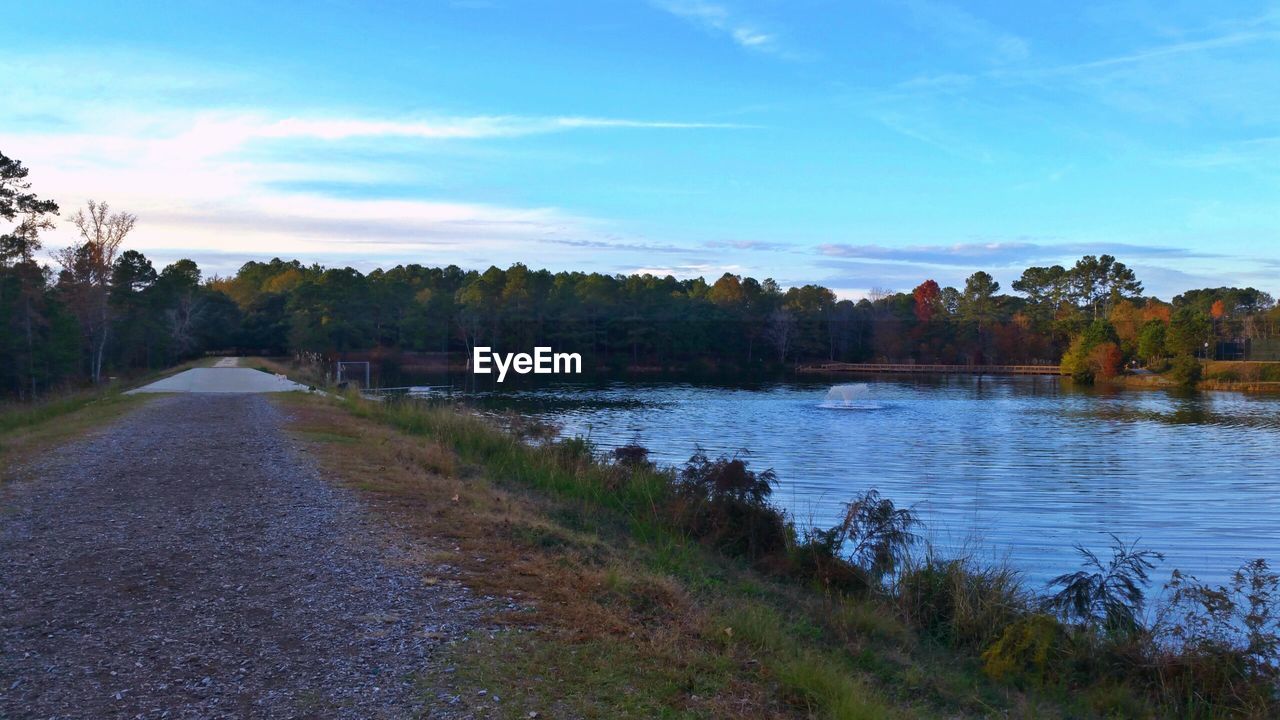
725,502
1185,370
1151,341
575,451
632,456
1030,649
1106,360
1106,596
1242,617
1075,361
960,602
725,478
819,562
1084,361
874,534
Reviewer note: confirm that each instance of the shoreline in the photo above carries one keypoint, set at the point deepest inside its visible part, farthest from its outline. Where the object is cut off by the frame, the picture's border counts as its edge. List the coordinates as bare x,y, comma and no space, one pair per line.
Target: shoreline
611,588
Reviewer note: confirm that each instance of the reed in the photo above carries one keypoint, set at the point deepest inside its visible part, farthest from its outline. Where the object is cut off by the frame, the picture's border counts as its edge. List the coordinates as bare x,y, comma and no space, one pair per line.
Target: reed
1082,644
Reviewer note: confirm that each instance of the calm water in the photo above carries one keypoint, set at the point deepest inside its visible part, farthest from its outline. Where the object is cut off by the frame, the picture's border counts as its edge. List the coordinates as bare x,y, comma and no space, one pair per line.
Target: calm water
1021,467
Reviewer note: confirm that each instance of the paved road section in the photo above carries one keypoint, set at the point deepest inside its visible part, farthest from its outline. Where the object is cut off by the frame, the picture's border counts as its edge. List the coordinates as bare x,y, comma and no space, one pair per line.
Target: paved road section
221,380
188,561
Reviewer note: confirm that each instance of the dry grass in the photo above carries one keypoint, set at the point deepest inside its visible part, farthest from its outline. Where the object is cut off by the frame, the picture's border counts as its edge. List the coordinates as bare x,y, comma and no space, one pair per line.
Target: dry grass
26,430
601,635
1241,375
284,366
625,619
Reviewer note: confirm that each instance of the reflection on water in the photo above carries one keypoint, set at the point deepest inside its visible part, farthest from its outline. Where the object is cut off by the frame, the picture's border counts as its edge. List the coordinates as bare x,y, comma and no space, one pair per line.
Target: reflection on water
1021,465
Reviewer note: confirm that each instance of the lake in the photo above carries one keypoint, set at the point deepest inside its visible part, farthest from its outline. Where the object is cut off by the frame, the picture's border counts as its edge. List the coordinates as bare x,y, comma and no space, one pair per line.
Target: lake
1017,468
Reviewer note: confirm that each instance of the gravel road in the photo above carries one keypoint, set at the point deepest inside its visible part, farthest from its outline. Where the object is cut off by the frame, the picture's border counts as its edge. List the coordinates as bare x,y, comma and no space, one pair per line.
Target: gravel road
188,561
224,378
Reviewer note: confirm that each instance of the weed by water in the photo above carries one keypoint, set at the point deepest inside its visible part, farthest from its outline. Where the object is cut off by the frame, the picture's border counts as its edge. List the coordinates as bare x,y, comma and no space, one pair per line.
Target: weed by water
887,628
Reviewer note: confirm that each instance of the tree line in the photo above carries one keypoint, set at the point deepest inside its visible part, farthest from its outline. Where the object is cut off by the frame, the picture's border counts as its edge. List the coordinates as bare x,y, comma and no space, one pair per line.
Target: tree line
102,309
97,309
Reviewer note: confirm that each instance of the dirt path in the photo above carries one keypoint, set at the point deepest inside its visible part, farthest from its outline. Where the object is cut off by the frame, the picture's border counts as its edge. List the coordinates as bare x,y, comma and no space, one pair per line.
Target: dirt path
188,562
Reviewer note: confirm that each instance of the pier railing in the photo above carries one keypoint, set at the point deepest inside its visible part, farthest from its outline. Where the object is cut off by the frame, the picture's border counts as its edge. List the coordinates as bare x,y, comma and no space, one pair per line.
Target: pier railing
935,368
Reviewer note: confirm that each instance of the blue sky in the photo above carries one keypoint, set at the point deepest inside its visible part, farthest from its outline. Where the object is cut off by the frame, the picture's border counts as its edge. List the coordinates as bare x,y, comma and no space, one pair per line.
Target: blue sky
854,144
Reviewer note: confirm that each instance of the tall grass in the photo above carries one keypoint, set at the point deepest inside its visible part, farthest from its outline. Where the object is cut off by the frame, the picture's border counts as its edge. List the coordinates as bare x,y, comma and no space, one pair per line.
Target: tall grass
1086,643
17,416
960,601
567,469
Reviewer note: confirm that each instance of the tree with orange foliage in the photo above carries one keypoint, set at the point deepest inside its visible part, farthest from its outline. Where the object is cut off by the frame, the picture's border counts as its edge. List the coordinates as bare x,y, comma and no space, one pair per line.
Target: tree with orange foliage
727,291
1218,309
1125,318
928,300
1156,310
1105,360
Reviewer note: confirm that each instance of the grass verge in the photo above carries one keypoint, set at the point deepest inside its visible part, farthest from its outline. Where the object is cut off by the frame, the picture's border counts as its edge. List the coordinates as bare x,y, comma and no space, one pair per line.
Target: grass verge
27,428
623,615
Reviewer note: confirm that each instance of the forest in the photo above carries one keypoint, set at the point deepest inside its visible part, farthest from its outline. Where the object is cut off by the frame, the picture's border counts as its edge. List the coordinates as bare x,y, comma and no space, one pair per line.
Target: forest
96,310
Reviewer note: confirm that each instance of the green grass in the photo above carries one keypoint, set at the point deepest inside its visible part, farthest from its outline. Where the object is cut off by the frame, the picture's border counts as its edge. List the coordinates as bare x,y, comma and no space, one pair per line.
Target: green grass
26,429
830,688
57,417
331,437
824,658
918,649
25,416
599,678
508,460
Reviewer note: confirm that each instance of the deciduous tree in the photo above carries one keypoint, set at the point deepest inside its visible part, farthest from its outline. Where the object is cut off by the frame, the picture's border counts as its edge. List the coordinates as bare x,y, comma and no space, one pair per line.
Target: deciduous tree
86,274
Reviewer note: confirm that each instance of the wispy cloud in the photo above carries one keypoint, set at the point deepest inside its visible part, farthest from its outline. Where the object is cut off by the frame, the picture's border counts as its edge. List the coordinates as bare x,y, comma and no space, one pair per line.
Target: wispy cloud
477,127
856,271
1197,68
620,246
746,245
192,175
1163,52
721,20
1264,151
924,128
709,271
958,27
998,254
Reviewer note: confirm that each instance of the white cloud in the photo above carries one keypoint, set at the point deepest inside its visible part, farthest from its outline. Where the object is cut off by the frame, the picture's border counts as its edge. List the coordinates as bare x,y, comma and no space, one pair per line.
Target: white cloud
708,271
1170,50
191,181
1008,253
721,20
462,128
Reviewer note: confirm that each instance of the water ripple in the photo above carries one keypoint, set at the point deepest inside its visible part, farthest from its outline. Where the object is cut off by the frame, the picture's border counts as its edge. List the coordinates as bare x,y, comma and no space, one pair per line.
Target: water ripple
1020,466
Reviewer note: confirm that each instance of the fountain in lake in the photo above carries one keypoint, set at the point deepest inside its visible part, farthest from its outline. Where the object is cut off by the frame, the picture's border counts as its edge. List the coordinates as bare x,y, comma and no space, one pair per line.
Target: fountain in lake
852,396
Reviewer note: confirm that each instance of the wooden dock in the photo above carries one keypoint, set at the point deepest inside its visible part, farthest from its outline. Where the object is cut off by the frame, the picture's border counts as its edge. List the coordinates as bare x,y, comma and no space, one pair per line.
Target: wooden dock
934,369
